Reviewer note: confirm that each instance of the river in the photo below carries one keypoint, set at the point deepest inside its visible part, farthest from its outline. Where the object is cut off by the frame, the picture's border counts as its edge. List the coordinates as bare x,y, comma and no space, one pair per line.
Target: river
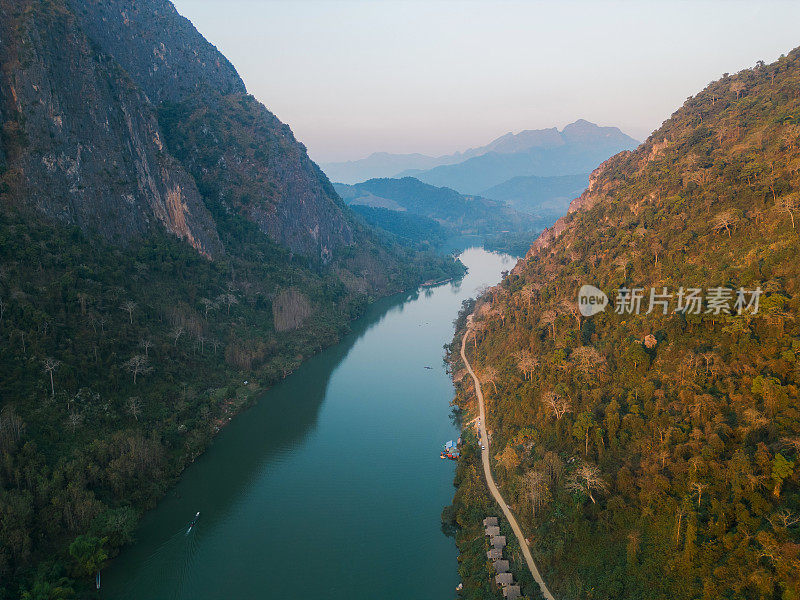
331,485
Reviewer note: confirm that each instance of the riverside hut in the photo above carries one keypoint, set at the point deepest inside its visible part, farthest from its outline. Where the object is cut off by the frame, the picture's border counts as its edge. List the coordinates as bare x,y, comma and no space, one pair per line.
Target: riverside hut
504,579
500,566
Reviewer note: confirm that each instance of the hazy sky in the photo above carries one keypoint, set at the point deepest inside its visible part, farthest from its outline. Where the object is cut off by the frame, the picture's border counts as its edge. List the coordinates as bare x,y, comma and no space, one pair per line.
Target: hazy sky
352,78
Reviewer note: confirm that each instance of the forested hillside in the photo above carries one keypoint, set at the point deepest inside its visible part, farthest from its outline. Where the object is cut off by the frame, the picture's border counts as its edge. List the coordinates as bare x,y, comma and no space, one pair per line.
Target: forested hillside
657,454
458,213
167,250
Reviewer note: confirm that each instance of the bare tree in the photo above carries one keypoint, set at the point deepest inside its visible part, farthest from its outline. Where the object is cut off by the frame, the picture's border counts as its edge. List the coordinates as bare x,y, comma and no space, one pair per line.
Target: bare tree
787,205
129,307
229,300
586,479
146,344
137,365
50,365
784,518
527,363
725,220
207,305
558,404
134,407
2,309
201,340
537,489
214,343
177,332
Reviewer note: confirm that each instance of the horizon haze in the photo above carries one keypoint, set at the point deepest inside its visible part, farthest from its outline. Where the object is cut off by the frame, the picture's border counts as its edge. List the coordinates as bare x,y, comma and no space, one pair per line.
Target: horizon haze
353,78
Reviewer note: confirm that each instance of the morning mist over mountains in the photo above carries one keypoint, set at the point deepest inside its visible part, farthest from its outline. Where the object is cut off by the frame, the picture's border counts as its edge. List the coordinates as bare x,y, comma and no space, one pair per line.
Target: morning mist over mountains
576,149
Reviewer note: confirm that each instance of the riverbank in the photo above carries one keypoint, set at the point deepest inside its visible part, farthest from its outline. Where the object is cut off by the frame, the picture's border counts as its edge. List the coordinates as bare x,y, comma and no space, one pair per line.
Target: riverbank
472,500
345,448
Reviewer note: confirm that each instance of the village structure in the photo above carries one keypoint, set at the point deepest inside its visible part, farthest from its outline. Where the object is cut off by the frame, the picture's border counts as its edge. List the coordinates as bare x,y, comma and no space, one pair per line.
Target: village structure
497,544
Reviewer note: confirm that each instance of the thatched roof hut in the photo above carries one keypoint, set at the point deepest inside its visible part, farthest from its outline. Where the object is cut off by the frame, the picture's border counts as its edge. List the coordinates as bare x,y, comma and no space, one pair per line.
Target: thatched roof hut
494,554
500,566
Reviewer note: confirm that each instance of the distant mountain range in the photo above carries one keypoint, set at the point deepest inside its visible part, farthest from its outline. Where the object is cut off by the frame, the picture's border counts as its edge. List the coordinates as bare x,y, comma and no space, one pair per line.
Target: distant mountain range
578,148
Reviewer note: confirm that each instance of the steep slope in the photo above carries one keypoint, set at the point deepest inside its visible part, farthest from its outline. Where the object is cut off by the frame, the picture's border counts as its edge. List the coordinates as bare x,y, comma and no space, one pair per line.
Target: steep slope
655,454
242,156
459,213
74,124
546,197
578,148
152,259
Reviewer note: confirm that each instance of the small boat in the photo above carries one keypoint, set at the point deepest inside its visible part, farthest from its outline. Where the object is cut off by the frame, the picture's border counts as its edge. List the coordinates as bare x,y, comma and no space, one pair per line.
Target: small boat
193,523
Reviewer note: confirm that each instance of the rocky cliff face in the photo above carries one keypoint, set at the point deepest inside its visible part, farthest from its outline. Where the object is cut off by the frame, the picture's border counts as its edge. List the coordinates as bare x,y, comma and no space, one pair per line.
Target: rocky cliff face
83,142
116,112
241,155
160,50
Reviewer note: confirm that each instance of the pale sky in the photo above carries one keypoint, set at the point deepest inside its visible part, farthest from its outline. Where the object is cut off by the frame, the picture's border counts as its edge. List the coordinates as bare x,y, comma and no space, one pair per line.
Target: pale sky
435,76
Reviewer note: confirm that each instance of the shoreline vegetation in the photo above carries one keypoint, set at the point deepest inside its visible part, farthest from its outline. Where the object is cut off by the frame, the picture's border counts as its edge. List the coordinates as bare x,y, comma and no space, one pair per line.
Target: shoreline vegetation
123,366
472,502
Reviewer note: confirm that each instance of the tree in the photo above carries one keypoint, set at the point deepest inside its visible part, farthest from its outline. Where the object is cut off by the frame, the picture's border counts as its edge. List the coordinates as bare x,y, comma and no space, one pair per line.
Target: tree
177,332
585,479
45,590
583,426
537,489
137,365
50,365
88,553
725,220
527,363
699,488
146,344
134,407
509,458
558,404
207,305
781,469
489,375
129,307
229,300
787,205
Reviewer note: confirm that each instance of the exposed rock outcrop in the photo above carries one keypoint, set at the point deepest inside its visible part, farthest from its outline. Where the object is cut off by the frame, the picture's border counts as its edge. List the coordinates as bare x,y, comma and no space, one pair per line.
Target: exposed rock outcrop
83,140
